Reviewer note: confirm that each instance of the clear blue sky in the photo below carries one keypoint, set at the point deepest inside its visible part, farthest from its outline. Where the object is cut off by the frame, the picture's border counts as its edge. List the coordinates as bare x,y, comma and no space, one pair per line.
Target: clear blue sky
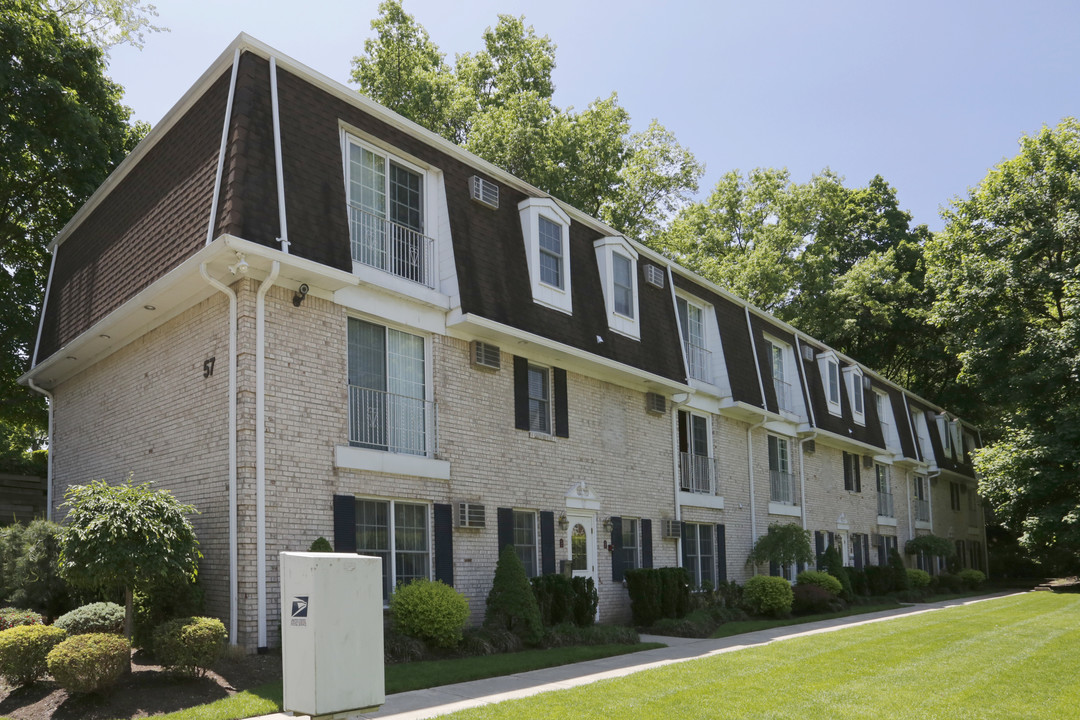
927,94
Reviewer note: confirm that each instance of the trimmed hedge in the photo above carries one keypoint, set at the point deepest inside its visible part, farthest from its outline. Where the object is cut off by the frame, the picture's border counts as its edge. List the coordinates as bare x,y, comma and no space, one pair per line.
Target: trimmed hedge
23,652
918,579
101,617
767,595
657,593
164,601
431,611
812,599
820,579
511,604
89,663
972,579
189,646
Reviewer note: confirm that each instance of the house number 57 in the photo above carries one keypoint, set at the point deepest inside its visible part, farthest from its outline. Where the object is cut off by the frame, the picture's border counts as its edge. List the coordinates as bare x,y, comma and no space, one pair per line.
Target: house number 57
208,367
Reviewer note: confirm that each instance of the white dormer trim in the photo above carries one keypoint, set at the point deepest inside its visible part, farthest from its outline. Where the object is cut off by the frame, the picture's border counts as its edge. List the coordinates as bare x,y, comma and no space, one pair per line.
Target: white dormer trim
829,369
606,249
853,378
531,210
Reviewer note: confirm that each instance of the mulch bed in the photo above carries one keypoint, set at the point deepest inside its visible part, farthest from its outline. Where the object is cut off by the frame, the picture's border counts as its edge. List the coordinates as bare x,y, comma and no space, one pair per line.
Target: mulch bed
147,691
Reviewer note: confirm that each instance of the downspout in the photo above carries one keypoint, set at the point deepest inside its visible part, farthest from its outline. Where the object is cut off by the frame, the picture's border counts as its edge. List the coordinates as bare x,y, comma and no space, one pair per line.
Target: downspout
233,553
49,456
221,152
802,476
750,464
284,239
260,449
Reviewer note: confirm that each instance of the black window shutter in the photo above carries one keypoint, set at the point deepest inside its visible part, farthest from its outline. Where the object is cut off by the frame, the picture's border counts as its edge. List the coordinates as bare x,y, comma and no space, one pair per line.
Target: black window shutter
344,523
562,412
832,541
547,542
721,554
819,546
616,550
866,549
857,542
882,554
858,474
521,393
646,543
506,527
444,543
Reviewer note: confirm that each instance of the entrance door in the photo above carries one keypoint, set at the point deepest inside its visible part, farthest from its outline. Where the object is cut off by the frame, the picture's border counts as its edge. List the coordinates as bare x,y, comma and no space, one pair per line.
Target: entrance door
581,539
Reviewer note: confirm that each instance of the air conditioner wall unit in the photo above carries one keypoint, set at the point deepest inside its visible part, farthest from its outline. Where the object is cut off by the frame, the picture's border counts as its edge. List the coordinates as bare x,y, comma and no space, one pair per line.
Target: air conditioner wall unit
655,403
484,191
810,447
807,353
654,275
671,529
485,355
470,515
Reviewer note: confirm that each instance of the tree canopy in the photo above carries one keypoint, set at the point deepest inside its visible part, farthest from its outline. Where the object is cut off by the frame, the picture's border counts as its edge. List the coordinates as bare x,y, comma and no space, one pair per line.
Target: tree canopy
498,103
1006,270
62,132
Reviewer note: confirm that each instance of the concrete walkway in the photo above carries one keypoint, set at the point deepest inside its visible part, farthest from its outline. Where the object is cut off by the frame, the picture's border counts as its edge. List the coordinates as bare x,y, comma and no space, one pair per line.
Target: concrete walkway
437,701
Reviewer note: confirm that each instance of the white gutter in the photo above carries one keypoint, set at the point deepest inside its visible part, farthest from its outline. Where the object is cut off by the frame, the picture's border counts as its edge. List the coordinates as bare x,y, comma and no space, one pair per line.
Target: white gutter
233,554
283,226
48,458
802,476
221,151
260,448
750,465
757,362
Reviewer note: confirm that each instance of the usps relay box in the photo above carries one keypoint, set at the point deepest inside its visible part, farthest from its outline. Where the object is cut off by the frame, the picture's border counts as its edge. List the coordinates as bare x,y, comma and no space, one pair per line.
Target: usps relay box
331,632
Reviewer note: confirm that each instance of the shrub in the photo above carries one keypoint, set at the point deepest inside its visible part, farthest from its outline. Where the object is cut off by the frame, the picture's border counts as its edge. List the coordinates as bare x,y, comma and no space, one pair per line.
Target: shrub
823,580
102,617
23,651
899,571
859,584
29,556
728,594
188,646
879,579
555,598
398,648
812,599
163,601
320,544
585,601
698,624
767,595
569,634
918,579
511,604
946,583
14,617
431,611
831,562
90,663
656,593
972,579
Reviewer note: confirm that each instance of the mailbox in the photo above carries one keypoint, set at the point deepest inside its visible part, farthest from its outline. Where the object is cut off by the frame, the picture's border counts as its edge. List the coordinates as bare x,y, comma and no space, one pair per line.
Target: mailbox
331,632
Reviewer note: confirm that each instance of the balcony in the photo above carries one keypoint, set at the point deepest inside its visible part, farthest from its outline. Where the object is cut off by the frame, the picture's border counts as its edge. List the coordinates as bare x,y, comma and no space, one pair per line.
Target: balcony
922,510
390,247
697,474
379,420
781,487
783,394
885,504
698,360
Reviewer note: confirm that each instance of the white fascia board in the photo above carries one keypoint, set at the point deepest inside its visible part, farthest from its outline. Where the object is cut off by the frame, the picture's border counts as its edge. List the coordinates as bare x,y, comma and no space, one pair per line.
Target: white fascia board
469,326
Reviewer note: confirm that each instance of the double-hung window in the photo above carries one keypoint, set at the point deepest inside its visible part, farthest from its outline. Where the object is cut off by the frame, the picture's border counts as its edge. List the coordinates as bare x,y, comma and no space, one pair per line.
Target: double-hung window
387,394
954,496
780,383
699,558
922,499
852,478
551,253
386,214
397,532
781,482
539,399
884,488
696,469
545,228
631,544
692,323
525,540
623,284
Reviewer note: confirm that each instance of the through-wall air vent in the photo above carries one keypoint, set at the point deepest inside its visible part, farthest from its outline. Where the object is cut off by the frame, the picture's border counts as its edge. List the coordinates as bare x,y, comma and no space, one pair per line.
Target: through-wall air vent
672,529
486,355
654,275
867,461
655,403
470,515
484,191
807,353
810,447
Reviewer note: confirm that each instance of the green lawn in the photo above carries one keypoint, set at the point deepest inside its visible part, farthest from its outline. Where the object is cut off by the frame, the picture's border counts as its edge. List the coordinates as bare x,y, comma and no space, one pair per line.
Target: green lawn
262,700
1013,657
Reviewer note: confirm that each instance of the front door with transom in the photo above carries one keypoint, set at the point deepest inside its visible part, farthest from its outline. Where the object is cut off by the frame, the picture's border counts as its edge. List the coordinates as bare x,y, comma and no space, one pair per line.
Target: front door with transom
581,539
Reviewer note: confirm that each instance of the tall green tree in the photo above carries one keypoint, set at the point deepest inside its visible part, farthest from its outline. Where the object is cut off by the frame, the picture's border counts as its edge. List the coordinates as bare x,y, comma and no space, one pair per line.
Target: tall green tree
62,132
497,103
126,537
107,23
1007,273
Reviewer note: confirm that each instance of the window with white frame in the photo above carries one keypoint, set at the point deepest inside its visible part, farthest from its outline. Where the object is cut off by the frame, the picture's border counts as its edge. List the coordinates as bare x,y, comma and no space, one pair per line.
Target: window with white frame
829,368
525,540
545,228
631,543
779,373
884,488
539,399
922,499
852,477
387,214
699,558
616,261
884,414
388,408
397,532
697,472
854,378
781,481
692,324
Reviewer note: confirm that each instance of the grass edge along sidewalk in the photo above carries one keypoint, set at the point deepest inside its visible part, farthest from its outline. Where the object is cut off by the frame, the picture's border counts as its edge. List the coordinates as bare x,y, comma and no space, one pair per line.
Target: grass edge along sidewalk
1000,657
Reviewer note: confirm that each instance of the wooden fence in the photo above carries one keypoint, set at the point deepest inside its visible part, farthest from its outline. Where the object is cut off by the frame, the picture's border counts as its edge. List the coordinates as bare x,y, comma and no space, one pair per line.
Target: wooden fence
22,498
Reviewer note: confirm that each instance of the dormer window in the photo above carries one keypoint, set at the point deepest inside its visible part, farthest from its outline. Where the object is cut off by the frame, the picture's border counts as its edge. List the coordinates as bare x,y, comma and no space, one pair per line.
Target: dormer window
616,260
829,368
545,228
854,379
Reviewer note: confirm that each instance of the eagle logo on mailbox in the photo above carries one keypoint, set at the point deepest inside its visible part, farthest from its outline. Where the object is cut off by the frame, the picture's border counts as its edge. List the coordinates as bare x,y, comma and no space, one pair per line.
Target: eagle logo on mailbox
300,606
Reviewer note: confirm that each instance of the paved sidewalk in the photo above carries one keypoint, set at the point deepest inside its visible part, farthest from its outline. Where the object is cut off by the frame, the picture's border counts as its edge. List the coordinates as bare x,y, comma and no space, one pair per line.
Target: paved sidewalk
433,702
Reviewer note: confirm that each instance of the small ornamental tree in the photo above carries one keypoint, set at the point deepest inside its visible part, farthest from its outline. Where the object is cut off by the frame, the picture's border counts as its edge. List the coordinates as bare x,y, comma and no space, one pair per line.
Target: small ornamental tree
785,544
930,546
126,537
511,604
